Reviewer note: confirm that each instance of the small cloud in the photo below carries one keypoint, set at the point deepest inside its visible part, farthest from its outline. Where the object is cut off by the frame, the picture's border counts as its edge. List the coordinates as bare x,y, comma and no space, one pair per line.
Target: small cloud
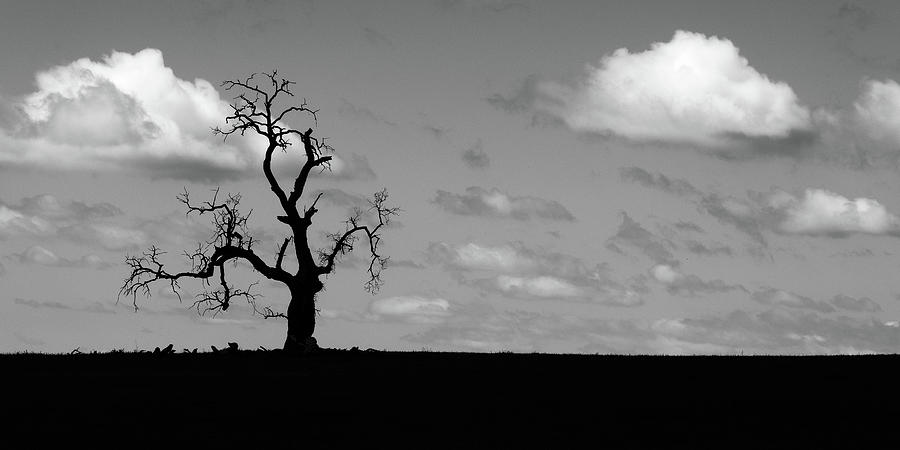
338,197
37,304
495,203
677,282
475,157
694,89
821,212
632,234
356,167
351,111
861,304
743,215
877,111
520,101
495,6
405,263
44,257
473,256
541,286
516,271
435,131
657,181
688,226
699,248
778,297
38,255
413,309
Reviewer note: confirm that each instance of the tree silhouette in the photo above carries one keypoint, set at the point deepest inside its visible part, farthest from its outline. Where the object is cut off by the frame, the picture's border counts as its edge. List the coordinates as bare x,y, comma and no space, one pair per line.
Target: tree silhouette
256,109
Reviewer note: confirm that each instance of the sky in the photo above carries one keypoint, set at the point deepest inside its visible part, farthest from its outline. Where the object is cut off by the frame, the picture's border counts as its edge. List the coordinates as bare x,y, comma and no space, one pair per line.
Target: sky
662,177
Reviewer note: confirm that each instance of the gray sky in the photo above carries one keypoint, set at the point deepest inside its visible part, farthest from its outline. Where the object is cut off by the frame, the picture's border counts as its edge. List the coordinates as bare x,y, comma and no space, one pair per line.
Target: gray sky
656,177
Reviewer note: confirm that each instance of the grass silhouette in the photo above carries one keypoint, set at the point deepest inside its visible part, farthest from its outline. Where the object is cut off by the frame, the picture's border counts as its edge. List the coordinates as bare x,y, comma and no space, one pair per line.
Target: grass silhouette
462,400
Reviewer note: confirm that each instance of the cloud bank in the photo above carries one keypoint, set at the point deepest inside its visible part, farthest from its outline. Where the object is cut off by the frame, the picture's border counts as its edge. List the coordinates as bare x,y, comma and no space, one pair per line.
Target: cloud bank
694,89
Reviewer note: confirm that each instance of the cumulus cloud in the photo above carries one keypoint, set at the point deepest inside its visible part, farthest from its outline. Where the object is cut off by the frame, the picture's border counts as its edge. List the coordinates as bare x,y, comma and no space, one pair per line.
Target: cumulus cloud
495,203
516,271
126,111
677,282
820,212
414,309
817,212
472,256
877,110
778,297
694,89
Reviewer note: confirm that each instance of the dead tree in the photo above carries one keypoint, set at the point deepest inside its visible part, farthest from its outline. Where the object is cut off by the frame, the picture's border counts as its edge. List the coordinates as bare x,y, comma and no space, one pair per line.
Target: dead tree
256,109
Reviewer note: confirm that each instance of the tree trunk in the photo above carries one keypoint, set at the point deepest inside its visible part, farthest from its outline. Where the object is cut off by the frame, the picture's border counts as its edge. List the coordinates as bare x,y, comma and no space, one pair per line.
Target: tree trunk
301,321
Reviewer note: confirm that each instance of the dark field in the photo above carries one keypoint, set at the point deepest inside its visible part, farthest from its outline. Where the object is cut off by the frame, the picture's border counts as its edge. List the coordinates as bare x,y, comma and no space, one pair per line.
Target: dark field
427,400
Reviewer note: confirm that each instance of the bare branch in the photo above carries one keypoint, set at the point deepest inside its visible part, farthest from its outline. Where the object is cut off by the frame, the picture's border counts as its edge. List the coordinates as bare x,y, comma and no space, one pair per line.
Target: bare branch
343,243
268,313
219,300
230,240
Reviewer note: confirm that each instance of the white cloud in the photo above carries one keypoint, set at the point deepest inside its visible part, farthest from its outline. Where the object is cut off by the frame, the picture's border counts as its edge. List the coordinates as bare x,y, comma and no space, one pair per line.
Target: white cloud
473,256
13,223
877,110
542,286
693,89
126,111
517,271
45,257
778,297
412,308
496,203
677,282
666,274
39,255
821,212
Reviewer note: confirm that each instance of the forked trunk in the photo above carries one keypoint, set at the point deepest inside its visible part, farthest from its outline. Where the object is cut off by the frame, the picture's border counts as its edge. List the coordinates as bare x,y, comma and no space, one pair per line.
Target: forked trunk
301,320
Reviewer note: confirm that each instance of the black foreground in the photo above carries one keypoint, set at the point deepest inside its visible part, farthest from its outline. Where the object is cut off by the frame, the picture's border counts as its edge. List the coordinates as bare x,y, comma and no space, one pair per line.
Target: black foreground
450,400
